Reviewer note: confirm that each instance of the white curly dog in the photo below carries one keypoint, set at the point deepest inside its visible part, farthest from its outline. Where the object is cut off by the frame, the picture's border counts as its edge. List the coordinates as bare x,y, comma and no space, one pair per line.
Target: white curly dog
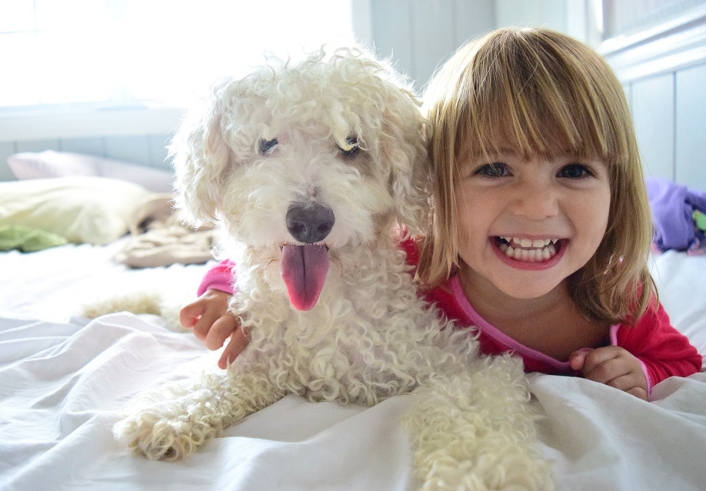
311,168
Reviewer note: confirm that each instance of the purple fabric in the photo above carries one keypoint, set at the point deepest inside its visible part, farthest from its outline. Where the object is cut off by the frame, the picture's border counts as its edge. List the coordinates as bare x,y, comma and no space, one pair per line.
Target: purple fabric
672,208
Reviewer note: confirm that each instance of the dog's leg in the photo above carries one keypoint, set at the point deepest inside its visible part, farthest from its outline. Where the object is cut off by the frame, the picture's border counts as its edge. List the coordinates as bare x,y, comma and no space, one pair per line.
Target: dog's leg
475,431
172,422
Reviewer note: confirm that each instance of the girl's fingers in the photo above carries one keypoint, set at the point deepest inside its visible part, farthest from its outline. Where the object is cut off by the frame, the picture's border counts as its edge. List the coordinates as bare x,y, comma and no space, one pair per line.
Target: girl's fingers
638,392
189,315
238,342
221,329
626,382
578,358
616,368
594,365
204,326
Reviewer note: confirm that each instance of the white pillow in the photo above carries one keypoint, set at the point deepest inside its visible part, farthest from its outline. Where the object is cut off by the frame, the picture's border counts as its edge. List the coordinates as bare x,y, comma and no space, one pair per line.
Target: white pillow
96,210
30,165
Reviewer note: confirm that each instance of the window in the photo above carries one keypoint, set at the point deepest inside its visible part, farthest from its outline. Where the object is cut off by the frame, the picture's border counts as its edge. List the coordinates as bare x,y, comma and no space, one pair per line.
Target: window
162,53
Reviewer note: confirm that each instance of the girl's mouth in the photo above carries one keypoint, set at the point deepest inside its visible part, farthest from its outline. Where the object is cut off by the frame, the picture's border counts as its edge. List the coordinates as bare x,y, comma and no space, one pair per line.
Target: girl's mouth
529,250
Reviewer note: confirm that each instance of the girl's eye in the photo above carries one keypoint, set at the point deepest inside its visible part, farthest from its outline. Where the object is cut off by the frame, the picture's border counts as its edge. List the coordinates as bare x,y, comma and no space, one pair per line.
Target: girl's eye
496,169
353,151
574,171
266,146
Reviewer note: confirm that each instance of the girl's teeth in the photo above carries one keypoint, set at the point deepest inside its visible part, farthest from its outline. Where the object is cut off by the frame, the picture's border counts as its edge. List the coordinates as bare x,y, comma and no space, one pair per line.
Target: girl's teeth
526,243
546,254
539,243
528,250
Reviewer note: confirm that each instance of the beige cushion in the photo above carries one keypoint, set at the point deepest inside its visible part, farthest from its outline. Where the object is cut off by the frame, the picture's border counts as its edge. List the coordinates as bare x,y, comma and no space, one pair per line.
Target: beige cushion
95,210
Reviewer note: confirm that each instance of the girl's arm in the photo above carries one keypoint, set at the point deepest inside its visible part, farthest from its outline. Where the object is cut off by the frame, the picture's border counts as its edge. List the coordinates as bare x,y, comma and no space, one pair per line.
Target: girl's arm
210,318
640,356
664,351
613,366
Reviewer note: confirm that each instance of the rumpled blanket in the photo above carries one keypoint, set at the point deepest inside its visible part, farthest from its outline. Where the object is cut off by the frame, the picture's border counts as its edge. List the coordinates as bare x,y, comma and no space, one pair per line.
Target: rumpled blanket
677,216
160,238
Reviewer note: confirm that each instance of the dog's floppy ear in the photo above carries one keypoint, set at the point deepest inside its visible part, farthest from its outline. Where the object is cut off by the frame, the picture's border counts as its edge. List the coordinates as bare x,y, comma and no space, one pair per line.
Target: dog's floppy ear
200,157
403,147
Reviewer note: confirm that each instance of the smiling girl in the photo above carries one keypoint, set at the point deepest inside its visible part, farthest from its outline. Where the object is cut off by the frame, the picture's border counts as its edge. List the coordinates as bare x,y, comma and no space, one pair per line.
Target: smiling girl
541,225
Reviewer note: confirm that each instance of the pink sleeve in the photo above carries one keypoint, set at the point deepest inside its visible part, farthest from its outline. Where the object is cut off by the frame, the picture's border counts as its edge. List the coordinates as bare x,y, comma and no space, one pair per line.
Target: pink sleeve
663,351
220,277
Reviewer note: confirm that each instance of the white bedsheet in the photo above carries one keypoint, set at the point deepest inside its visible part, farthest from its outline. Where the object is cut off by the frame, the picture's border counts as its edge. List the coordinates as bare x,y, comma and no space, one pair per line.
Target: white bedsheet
63,380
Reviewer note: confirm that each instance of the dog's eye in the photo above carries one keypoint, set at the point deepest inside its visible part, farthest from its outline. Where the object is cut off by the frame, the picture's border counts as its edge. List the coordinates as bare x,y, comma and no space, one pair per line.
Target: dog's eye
266,146
351,152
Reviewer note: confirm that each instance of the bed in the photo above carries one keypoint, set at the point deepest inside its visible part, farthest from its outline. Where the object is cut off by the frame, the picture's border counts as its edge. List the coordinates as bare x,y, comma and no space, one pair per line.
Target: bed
64,378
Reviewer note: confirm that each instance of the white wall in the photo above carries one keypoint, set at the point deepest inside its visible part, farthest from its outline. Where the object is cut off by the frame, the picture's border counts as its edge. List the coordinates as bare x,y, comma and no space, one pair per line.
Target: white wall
420,34
535,13
137,136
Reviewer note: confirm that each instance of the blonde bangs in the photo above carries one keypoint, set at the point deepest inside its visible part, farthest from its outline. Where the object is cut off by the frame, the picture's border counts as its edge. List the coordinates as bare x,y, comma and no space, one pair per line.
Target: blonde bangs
539,98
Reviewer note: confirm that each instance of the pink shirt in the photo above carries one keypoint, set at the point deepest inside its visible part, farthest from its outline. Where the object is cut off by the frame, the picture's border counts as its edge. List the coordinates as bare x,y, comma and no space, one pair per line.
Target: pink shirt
661,349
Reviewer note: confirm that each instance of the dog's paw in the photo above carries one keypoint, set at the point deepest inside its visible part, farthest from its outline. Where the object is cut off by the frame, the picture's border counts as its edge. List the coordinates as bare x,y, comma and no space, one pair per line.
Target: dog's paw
157,437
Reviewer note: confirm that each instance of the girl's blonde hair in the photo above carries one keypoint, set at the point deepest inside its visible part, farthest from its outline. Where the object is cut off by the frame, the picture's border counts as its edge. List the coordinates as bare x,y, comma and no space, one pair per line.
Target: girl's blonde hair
542,93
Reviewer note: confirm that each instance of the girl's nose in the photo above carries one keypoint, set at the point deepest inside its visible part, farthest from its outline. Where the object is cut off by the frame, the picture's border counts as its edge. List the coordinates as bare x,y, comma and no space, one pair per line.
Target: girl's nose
535,201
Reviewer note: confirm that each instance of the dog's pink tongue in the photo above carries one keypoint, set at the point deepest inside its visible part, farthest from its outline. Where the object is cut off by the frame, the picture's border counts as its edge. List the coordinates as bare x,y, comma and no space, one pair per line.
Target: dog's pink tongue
304,271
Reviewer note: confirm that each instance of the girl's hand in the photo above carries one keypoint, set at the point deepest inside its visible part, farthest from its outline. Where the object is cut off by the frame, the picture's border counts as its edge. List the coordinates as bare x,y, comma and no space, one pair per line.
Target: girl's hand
213,323
613,366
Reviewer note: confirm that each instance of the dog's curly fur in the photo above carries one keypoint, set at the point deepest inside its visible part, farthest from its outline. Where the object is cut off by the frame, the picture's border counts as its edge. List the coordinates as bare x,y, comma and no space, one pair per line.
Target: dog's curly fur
340,132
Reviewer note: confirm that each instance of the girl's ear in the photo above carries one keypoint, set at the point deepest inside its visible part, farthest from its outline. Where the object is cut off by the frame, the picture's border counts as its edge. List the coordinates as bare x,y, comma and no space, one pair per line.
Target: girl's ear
200,157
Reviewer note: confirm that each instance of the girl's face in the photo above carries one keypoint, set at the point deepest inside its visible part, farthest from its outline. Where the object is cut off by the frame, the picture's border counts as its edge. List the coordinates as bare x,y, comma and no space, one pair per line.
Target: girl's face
526,225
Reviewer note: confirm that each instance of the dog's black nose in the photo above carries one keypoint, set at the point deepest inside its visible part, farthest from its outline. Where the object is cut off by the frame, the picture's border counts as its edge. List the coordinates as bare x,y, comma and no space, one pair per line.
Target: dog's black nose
310,222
